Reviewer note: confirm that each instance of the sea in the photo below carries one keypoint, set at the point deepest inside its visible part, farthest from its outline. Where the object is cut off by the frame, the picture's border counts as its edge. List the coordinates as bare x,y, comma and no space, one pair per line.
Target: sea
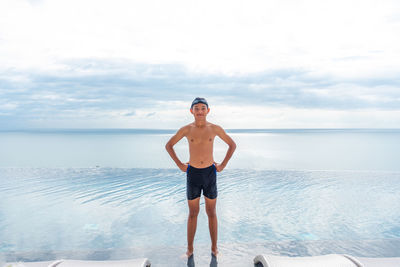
109,194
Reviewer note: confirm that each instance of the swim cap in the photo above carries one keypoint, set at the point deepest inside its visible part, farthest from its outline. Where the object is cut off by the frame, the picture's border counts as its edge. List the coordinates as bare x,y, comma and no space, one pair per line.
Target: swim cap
198,100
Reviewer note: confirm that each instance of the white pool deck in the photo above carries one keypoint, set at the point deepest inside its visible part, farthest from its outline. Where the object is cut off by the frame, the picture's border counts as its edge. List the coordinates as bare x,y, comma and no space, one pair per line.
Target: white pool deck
330,260
143,262
262,260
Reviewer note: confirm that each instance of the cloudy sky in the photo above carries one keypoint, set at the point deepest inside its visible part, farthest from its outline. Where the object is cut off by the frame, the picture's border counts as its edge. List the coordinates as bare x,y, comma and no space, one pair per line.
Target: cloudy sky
139,64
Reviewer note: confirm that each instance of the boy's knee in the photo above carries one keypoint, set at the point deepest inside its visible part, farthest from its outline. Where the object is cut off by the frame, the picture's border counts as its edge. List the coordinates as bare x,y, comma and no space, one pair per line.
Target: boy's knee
211,212
193,213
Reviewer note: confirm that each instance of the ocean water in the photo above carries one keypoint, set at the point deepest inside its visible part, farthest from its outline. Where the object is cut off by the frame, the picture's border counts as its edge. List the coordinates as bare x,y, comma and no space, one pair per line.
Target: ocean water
318,149
91,194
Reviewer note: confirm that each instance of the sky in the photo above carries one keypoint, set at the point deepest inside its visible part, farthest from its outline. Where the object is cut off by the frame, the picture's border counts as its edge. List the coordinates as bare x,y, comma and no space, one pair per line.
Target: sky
140,64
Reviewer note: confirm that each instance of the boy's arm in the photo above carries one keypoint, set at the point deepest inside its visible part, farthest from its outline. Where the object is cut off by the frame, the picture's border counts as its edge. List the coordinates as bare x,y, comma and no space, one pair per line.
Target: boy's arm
229,141
169,147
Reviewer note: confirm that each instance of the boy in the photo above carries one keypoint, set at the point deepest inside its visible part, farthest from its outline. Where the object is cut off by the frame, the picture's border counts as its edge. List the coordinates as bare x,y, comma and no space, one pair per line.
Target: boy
201,169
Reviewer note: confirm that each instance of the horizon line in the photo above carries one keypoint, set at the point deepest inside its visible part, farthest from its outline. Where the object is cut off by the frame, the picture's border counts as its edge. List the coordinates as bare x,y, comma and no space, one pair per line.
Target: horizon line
175,129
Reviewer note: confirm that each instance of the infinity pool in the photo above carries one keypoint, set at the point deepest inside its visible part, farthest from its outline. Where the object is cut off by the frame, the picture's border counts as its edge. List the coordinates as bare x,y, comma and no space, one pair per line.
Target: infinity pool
117,213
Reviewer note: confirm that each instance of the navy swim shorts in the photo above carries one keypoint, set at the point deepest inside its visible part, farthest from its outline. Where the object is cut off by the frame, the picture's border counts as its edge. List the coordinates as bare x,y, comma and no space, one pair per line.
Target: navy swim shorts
201,179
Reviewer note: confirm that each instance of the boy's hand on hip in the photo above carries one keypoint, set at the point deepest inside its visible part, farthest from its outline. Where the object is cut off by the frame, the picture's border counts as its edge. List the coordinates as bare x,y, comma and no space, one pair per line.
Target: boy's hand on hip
183,167
219,167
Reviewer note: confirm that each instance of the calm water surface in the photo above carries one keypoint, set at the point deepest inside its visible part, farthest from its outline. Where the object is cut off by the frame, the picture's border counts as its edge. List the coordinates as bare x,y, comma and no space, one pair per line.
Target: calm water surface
289,192
373,149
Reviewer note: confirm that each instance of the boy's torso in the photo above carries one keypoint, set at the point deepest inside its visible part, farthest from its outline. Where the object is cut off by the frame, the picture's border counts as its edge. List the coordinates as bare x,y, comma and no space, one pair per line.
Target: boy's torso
201,140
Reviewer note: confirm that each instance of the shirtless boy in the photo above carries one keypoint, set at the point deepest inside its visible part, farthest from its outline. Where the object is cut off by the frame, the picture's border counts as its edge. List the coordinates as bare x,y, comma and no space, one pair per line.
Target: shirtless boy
201,170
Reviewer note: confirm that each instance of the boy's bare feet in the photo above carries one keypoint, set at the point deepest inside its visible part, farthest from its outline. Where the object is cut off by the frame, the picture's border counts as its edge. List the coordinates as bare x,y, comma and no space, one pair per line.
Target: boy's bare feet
187,255
214,251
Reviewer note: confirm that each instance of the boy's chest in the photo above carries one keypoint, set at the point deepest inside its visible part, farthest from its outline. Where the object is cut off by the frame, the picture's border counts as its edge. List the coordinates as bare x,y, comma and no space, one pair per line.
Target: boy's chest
201,137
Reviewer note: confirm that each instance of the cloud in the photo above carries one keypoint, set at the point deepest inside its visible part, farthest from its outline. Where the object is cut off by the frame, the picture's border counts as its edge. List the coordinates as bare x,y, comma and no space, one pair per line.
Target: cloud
133,113
142,63
139,91
228,36
142,85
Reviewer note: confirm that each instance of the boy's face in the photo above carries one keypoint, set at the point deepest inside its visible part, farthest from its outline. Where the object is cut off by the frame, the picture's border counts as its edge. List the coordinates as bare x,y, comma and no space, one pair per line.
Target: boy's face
199,110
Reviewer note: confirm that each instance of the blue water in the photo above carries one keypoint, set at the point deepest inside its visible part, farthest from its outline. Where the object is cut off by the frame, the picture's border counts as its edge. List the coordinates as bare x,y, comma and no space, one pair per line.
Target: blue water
291,193
318,149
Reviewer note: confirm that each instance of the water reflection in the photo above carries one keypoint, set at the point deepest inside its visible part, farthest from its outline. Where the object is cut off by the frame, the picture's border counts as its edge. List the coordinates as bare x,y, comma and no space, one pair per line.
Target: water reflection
286,212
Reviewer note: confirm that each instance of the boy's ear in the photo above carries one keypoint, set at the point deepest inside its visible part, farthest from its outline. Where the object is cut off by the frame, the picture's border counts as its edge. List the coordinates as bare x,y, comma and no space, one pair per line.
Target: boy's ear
191,111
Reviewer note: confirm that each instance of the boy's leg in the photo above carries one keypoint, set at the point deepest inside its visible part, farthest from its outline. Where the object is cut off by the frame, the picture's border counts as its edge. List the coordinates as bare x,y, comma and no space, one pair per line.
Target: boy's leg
194,208
212,222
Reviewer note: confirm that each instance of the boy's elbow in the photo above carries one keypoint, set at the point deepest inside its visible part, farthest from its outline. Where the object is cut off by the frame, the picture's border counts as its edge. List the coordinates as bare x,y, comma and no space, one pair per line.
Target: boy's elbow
233,145
168,146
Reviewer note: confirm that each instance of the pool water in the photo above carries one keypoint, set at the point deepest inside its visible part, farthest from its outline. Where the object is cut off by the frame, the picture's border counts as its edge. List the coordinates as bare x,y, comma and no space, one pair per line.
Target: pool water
116,213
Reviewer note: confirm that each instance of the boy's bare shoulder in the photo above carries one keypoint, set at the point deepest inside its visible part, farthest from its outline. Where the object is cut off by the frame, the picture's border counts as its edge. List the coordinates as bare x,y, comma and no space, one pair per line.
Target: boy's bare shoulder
216,128
185,129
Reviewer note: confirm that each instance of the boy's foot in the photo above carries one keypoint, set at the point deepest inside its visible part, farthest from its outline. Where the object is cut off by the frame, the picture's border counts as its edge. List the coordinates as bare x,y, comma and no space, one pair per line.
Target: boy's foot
214,252
187,255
